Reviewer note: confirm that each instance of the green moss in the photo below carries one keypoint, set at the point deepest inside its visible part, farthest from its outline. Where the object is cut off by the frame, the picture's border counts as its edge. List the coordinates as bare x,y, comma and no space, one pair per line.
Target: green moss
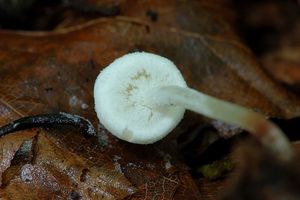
216,169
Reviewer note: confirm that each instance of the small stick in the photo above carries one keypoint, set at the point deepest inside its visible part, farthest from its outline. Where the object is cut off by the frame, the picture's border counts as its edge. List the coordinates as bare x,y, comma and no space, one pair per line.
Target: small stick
44,120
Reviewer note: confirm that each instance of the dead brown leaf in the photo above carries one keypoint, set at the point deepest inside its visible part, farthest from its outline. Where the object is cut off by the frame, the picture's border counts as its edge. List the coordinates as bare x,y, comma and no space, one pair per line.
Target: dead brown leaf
59,174
220,56
9,146
283,63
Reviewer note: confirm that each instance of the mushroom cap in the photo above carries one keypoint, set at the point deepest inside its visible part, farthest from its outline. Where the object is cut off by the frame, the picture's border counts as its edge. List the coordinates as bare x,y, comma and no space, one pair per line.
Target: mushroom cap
122,92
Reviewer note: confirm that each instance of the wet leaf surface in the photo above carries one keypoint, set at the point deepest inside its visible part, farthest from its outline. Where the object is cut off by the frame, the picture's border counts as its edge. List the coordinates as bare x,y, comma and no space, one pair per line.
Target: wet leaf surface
47,72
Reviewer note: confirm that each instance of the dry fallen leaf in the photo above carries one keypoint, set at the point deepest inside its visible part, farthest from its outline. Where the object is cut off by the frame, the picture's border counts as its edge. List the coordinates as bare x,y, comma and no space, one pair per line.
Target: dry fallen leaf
57,173
9,147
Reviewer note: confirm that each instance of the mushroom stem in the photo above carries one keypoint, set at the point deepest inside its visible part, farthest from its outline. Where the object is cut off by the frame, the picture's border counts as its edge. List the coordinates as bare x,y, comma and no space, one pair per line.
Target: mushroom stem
264,130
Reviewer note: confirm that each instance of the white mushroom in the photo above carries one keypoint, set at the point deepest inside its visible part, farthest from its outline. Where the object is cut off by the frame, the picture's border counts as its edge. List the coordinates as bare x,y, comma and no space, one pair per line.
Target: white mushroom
141,97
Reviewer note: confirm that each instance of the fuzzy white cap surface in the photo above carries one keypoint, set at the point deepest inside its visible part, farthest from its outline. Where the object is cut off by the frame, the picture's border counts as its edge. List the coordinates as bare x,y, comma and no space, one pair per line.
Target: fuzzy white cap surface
121,91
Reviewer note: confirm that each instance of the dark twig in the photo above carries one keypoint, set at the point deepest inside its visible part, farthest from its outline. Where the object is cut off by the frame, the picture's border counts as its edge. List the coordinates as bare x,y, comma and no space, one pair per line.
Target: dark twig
49,119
